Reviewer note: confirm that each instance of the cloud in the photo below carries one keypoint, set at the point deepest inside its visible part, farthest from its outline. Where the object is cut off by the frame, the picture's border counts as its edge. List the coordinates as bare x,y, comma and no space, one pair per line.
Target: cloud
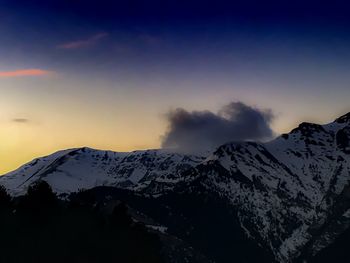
199,131
24,73
83,42
20,120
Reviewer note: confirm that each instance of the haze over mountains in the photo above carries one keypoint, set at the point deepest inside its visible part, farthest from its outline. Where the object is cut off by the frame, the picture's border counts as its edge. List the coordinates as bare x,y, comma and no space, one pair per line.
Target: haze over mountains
287,199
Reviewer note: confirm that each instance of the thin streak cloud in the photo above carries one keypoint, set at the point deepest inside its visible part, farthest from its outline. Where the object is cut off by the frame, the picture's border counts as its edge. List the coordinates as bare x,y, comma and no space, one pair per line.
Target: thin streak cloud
24,73
84,42
20,120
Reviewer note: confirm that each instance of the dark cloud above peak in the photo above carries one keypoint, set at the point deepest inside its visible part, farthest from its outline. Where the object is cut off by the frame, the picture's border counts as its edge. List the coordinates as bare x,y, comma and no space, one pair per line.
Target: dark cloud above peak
198,131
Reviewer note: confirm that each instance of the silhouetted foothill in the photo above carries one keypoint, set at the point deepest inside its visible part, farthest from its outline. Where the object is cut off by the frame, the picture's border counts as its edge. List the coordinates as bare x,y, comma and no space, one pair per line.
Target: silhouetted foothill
120,214
39,228
82,198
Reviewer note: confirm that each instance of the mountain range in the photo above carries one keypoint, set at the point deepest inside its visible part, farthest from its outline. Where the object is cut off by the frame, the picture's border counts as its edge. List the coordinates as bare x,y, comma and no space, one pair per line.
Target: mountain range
286,200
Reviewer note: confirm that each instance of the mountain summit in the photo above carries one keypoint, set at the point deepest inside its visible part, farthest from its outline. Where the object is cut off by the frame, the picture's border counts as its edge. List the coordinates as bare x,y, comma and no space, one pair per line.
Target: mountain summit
344,118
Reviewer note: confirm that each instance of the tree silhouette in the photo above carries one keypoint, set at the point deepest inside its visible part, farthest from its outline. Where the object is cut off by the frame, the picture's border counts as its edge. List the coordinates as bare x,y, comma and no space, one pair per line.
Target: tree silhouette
5,198
39,198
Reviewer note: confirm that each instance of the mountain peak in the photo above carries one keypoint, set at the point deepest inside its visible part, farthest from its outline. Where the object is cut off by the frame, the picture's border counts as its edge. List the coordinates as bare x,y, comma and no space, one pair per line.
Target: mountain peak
343,119
307,128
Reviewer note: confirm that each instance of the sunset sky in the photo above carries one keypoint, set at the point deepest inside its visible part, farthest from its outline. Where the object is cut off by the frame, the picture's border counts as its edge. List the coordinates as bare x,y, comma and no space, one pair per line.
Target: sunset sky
104,74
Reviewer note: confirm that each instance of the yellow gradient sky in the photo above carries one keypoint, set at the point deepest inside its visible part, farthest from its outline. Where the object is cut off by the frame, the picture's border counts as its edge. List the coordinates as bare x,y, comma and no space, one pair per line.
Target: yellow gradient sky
40,115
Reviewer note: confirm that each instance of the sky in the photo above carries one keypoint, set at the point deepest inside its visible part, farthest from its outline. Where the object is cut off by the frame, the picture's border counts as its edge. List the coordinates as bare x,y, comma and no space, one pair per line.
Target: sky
113,74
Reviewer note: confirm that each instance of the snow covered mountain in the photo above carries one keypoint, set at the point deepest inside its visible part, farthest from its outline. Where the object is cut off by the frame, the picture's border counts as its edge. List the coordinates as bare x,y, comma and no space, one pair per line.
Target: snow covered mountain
84,168
291,195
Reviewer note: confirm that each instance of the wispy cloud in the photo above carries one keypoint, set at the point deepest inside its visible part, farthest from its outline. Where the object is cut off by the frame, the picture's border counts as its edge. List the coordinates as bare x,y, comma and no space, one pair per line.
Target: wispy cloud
83,42
20,120
24,72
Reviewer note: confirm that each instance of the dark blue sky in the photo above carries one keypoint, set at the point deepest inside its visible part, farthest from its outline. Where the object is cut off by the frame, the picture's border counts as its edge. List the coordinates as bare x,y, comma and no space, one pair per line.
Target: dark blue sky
276,46
159,33
176,11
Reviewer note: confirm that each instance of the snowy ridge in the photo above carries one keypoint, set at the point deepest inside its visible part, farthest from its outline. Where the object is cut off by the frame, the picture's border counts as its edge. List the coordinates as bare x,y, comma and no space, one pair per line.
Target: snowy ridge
84,168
